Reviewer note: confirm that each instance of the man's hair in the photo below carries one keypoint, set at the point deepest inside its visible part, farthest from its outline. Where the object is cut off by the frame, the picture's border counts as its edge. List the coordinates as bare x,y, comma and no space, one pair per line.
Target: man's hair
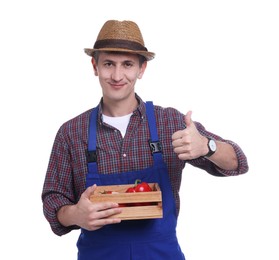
96,54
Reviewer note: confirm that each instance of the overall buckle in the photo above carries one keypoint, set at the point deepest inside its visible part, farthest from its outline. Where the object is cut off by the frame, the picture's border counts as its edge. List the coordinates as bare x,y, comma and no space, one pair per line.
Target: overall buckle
155,147
91,156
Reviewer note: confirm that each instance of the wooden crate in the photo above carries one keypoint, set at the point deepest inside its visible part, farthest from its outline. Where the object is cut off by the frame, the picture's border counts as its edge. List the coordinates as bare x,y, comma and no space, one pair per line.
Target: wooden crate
129,210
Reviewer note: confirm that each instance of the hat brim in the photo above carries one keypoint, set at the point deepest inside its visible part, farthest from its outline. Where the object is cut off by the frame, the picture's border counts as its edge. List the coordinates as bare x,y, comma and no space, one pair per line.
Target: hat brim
148,55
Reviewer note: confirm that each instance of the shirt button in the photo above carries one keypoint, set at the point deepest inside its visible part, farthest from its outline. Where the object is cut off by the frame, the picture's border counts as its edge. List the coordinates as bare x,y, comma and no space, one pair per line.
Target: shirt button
124,154
115,130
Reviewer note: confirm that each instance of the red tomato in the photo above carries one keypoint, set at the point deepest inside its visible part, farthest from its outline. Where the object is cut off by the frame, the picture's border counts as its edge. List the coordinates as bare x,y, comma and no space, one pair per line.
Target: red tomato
106,192
143,187
131,190
109,192
140,187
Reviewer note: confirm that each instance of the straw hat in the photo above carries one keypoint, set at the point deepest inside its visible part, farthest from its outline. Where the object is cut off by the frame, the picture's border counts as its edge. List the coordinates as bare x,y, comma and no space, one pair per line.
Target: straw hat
121,36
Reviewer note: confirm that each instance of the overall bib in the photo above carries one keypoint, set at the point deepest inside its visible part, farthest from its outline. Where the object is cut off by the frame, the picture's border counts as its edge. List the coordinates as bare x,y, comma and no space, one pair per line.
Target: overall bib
149,239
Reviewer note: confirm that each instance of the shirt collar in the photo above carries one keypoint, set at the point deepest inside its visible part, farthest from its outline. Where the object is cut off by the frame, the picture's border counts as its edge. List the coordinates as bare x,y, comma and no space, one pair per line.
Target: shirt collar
140,110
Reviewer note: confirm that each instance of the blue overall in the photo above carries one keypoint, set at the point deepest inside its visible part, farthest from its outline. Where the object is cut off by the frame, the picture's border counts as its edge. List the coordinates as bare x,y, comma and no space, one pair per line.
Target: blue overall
149,239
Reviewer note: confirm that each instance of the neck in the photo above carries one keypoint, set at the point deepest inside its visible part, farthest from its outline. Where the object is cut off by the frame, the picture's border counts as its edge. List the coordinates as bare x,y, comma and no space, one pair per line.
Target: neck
122,108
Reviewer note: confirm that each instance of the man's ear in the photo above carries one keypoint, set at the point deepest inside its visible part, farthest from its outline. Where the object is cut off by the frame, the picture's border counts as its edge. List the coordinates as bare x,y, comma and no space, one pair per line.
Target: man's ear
94,64
142,69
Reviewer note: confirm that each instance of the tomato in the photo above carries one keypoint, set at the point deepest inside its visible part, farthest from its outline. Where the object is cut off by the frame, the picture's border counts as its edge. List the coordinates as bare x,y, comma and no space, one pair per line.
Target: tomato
131,190
143,187
139,187
108,192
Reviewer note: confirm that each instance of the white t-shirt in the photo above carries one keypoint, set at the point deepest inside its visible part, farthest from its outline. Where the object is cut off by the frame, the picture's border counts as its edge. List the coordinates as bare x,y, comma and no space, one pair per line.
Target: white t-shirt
119,122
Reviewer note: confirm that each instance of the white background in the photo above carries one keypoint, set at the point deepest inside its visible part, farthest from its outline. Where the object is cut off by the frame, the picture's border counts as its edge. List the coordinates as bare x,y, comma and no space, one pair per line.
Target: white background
218,58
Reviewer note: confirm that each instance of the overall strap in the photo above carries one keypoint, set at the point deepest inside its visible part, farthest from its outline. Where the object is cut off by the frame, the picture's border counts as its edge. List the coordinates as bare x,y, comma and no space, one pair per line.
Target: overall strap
154,143
92,141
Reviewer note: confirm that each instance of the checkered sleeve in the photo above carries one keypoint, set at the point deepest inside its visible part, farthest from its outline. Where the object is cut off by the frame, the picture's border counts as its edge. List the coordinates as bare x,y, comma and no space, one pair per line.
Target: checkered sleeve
57,190
210,167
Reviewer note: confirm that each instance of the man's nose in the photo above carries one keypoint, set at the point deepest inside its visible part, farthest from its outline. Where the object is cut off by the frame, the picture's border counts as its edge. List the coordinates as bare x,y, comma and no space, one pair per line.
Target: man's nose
117,74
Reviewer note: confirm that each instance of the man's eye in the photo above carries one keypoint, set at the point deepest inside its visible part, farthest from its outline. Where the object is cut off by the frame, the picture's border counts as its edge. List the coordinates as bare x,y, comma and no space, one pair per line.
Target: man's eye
128,64
108,64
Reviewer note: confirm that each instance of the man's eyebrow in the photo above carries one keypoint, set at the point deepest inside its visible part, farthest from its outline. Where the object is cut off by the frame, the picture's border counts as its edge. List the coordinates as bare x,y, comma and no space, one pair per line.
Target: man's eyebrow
131,61
123,61
108,60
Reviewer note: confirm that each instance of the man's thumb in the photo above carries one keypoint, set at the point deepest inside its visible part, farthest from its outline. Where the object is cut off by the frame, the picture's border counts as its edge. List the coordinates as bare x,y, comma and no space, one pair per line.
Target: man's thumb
89,191
188,118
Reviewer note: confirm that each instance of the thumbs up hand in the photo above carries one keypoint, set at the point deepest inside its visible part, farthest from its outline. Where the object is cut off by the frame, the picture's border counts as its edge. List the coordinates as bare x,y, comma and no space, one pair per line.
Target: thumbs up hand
188,143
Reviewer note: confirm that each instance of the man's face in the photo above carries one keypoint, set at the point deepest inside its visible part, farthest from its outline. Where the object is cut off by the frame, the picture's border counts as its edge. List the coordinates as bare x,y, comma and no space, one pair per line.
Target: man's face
118,73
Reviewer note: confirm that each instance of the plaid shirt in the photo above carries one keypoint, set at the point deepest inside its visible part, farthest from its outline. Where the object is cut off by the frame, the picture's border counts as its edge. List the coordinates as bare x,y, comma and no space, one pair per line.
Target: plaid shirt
65,177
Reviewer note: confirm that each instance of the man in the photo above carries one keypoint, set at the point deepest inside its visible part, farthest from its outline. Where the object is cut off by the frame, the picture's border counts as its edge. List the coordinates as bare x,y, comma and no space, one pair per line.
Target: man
121,140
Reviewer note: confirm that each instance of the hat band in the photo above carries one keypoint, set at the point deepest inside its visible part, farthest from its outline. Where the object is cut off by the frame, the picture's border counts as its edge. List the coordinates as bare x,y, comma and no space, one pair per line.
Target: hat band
119,44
